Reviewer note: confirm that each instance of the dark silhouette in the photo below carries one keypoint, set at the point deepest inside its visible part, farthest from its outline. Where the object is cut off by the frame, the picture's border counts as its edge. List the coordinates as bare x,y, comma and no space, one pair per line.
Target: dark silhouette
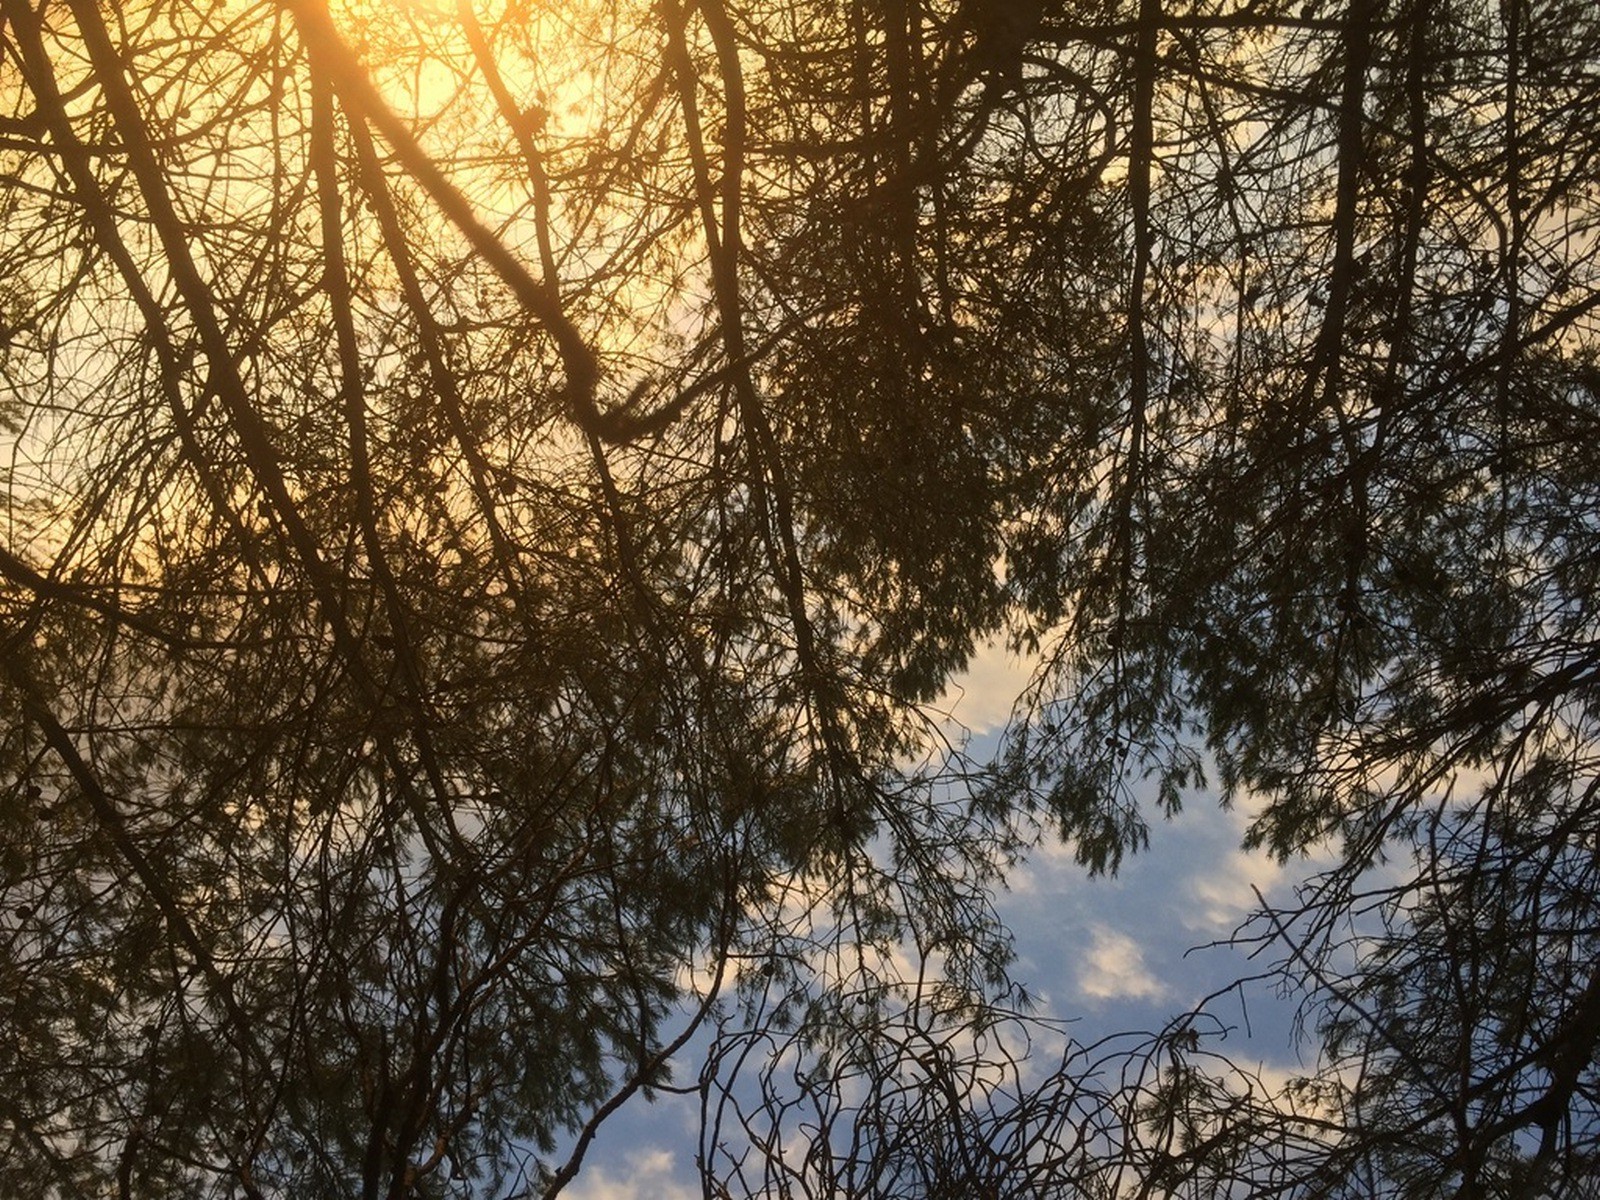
493,496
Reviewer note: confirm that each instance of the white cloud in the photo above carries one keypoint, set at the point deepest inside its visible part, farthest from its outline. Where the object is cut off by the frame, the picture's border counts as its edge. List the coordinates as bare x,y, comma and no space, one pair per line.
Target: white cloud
1114,969
981,697
647,1174
1225,893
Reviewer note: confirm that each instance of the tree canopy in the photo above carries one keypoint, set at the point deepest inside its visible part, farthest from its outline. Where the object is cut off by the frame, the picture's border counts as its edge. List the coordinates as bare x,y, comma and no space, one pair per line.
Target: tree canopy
496,491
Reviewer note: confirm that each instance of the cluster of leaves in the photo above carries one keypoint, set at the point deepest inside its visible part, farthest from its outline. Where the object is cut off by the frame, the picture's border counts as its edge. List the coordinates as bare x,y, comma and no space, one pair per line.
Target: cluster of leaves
492,489
1344,554
415,687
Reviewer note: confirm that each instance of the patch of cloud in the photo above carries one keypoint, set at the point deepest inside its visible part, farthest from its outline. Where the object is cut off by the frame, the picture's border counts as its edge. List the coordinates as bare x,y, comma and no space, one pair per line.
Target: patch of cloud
1225,893
650,1173
981,698
1114,969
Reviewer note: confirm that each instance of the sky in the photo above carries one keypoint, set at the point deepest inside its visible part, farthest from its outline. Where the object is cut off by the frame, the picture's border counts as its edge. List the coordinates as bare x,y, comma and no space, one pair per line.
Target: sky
1108,954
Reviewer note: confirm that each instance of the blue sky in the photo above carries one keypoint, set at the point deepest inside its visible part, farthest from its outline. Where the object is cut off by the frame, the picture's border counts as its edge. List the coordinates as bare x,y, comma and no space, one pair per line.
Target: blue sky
1108,954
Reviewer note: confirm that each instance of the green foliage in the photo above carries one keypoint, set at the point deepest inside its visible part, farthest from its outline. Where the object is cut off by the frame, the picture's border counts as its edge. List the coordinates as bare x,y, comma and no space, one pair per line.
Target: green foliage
489,497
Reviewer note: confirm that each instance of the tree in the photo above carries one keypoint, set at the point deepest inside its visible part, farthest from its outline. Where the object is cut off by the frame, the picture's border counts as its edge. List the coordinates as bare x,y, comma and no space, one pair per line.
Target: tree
1344,556
1318,521
417,692
494,489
